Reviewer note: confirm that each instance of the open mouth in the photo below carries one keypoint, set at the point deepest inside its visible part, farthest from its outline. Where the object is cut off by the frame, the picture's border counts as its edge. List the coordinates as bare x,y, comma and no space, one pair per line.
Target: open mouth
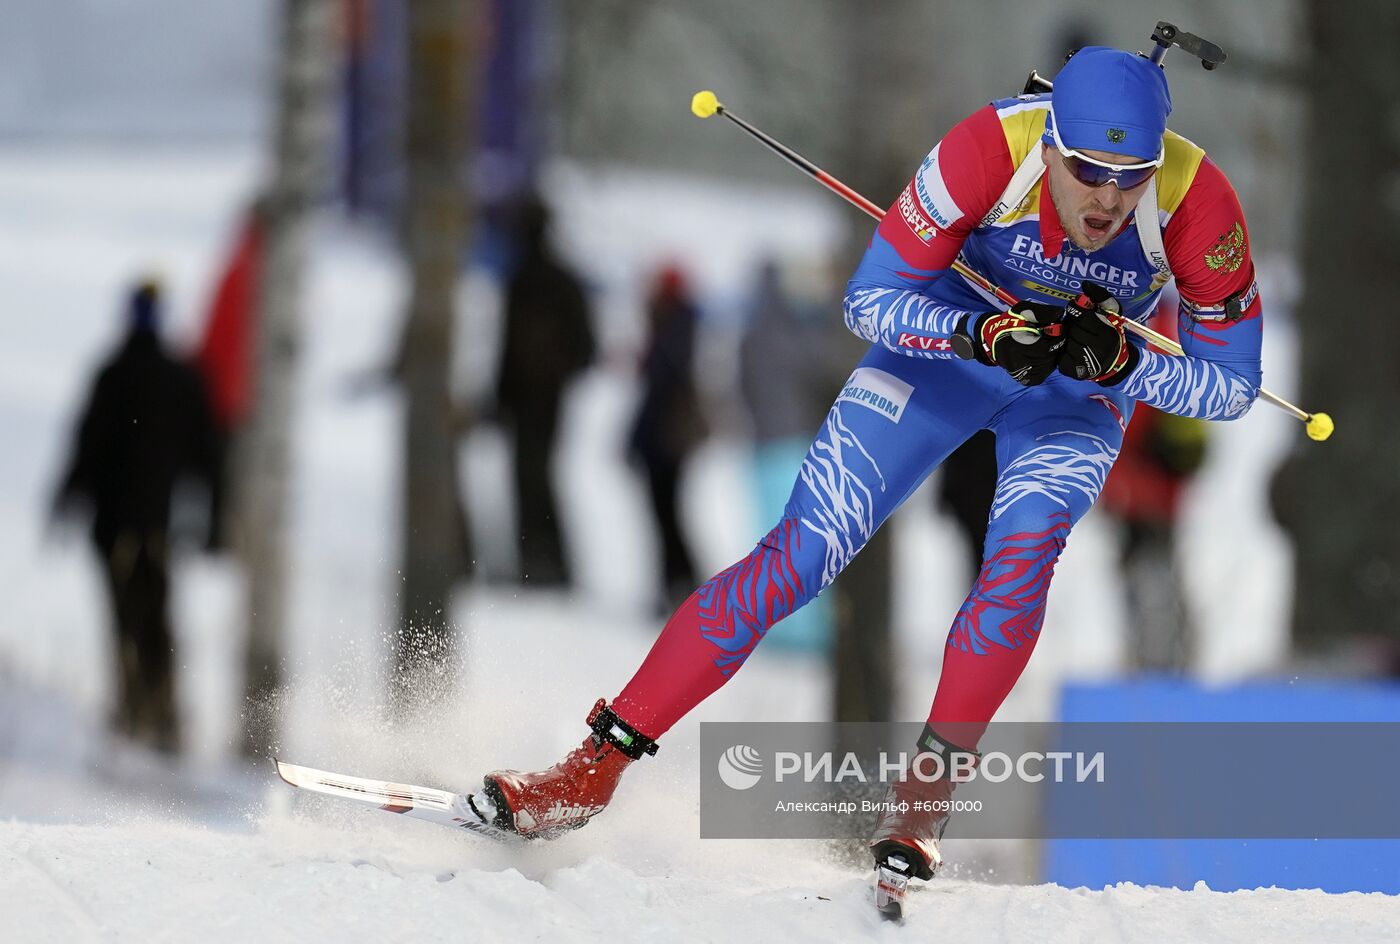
1097,226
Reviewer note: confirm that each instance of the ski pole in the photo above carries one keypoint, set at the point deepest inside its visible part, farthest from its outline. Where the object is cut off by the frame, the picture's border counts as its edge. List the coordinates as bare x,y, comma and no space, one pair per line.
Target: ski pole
704,104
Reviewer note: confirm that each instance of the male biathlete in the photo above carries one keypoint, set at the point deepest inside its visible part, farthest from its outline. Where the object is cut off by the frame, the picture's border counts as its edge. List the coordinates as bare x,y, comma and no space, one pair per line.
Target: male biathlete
1081,203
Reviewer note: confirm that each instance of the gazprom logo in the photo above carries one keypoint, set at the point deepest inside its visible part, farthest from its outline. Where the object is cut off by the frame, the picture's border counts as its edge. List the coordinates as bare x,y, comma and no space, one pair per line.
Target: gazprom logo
740,767
933,194
877,390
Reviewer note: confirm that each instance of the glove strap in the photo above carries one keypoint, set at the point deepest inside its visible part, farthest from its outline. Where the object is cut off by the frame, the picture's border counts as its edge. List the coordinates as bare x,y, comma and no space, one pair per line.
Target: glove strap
999,325
1092,301
1122,364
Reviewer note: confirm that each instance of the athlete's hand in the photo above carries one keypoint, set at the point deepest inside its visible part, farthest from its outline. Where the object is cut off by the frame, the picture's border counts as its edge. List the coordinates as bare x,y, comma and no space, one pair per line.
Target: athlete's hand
1095,346
1024,341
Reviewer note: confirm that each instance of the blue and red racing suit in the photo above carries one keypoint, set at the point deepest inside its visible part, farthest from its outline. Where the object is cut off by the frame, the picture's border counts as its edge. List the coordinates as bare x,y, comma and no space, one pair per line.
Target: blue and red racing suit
909,403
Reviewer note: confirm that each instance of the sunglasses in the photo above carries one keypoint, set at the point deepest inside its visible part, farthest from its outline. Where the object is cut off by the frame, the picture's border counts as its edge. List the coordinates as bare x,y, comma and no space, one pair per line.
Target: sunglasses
1096,173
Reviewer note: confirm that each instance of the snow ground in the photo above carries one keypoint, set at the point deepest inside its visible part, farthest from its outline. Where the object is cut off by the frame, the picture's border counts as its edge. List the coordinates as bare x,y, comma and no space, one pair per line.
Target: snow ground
297,882
121,855
101,842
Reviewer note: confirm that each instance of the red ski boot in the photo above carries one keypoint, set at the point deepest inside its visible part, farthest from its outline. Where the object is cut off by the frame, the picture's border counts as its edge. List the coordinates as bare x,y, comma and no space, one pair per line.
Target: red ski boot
912,820
573,791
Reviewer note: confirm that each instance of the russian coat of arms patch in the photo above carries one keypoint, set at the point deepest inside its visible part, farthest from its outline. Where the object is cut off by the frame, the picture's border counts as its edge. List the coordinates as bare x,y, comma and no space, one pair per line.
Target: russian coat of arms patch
1227,255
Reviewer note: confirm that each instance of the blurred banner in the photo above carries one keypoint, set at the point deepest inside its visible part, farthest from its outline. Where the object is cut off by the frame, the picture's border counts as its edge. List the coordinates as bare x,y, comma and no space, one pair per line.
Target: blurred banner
1360,864
510,120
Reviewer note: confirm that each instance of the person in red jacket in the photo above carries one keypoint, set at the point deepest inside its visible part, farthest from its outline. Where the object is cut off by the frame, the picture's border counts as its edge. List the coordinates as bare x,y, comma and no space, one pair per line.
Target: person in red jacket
1160,455
225,357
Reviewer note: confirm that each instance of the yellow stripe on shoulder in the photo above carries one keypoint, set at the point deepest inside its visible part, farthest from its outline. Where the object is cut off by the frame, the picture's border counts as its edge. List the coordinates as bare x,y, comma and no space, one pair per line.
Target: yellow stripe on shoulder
1023,123
1178,170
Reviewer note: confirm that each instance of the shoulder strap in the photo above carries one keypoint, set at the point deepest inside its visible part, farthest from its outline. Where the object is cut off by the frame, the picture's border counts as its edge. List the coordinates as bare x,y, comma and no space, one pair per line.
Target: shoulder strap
1026,177
1149,228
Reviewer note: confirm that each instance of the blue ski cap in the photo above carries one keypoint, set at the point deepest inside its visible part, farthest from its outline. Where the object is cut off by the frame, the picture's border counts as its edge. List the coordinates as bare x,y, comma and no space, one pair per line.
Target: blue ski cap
1110,100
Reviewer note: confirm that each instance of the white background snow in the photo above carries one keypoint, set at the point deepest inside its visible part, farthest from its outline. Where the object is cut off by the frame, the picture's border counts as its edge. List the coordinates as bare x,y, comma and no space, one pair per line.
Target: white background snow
99,841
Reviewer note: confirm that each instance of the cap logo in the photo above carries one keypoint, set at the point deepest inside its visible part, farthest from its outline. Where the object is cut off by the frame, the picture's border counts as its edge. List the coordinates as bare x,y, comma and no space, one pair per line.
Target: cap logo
1116,135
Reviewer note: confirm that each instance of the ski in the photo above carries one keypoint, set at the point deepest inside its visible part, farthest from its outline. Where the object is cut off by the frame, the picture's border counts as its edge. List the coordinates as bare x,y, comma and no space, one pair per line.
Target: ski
458,810
891,885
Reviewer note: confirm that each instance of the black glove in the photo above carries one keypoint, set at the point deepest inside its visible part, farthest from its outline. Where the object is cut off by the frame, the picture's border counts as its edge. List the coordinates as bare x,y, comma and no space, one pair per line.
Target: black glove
1025,341
1095,346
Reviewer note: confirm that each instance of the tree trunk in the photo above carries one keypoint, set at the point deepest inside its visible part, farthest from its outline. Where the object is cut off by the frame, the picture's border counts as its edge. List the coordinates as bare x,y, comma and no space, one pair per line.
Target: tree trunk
863,658
1339,498
434,230
299,177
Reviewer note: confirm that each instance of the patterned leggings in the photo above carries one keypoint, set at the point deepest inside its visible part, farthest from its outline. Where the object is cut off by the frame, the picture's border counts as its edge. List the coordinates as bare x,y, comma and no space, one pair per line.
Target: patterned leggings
895,420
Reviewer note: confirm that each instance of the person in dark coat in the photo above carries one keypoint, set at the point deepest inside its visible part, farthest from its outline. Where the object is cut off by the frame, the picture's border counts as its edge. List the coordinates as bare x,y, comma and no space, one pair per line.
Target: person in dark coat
966,490
548,342
669,422
146,426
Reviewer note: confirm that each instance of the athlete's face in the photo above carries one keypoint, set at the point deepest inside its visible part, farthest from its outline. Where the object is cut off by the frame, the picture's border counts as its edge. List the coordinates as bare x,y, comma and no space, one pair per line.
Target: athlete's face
1090,215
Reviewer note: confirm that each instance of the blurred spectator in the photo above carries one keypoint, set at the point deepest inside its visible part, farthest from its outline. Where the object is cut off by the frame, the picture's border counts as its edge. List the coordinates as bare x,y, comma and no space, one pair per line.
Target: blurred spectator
670,422
225,359
789,365
1160,454
145,427
548,341
966,489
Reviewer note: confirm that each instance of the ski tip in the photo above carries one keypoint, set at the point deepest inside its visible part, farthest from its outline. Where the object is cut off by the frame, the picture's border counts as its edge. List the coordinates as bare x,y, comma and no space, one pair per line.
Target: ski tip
288,772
